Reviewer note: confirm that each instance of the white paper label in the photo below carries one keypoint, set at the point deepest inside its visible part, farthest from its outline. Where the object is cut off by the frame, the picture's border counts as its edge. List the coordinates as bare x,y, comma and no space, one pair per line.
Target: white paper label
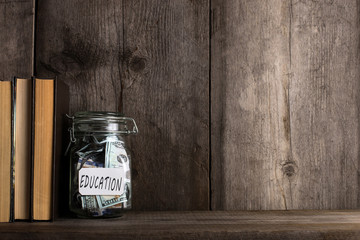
102,181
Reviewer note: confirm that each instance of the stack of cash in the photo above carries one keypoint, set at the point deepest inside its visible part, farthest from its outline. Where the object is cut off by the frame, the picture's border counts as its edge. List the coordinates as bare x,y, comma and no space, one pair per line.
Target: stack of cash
110,153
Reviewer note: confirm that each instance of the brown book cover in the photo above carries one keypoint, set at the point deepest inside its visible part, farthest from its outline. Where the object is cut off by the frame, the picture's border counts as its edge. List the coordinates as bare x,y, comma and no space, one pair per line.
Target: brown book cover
6,151
47,151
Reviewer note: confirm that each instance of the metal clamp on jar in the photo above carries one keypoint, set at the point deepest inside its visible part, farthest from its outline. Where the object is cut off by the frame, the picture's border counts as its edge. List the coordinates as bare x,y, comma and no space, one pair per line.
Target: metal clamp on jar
100,164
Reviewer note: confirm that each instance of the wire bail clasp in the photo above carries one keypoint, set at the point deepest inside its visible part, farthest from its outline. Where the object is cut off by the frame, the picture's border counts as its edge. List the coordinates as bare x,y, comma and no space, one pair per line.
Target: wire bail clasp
71,132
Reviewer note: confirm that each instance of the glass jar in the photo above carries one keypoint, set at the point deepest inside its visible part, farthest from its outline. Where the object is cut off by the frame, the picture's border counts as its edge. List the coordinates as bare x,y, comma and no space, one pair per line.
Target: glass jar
100,164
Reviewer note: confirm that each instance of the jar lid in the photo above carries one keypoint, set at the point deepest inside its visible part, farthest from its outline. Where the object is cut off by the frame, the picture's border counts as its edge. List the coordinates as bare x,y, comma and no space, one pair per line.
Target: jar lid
103,123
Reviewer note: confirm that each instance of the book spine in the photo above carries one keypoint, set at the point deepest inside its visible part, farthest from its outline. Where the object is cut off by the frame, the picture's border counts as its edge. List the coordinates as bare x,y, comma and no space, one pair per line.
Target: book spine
54,152
12,164
32,149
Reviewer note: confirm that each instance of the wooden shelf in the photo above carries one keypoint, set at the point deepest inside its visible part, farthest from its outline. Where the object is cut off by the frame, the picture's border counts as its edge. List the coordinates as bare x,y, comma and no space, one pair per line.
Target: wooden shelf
196,225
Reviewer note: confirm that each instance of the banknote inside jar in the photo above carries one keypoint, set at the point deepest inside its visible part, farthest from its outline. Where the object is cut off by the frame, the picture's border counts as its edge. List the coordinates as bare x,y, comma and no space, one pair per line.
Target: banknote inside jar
109,152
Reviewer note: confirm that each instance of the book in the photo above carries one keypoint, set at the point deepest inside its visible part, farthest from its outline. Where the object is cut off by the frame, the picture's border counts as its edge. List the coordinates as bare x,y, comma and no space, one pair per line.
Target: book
62,140
5,150
50,171
22,147
43,148
31,149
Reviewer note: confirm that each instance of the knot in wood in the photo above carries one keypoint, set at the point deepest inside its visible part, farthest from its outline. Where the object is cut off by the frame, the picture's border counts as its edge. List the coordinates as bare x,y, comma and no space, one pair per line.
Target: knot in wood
137,64
289,169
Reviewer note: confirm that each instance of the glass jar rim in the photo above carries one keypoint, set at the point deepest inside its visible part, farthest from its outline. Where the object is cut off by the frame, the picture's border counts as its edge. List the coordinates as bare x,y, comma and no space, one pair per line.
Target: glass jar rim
98,116
82,122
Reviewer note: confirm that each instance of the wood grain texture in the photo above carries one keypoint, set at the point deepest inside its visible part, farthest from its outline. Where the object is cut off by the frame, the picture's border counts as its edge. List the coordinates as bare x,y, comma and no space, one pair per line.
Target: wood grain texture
16,39
324,104
166,89
149,59
285,104
250,128
294,225
80,42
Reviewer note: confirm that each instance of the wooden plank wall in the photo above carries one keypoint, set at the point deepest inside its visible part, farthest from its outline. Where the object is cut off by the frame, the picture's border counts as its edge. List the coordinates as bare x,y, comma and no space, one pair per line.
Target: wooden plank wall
284,105
284,118
16,38
166,89
151,60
